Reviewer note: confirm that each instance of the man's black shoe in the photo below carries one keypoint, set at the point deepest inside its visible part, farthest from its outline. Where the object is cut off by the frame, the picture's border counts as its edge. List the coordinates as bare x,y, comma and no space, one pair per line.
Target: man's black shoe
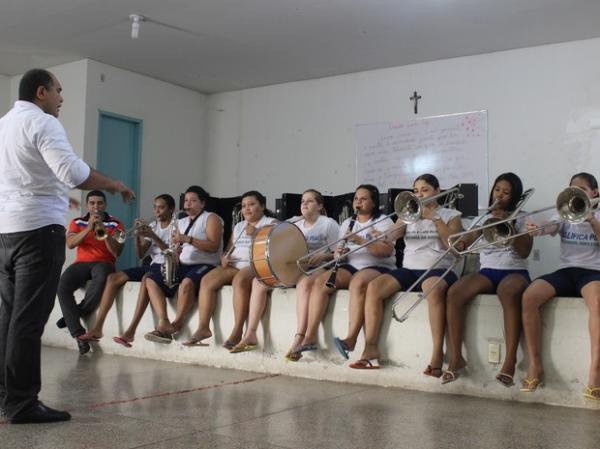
61,323
84,346
39,413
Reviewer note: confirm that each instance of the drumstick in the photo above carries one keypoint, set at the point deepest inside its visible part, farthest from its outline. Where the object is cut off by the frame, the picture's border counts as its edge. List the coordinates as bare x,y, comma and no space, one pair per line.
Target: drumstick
230,250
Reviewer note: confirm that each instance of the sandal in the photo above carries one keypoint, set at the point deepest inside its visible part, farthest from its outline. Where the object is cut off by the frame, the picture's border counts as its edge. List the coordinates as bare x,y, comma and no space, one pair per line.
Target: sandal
122,341
243,347
530,385
365,364
229,345
307,347
89,338
451,375
342,347
592,393
293,356
157,336
505,379
433,372
195,341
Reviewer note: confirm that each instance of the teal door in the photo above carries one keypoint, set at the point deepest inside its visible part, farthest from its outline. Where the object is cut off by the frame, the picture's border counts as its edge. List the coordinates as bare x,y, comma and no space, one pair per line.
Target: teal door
119,141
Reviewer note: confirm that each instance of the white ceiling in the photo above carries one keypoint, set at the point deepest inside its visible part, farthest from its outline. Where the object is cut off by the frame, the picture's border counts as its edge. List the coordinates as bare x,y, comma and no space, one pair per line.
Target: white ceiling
221,45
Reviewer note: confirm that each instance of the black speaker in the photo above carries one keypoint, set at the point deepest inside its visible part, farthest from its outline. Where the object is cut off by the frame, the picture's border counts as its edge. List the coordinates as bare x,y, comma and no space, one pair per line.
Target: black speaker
468,203
288,205
226,208
339,207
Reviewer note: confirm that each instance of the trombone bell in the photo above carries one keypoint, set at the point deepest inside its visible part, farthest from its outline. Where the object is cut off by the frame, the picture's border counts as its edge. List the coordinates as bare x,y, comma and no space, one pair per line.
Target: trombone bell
573,205
500,234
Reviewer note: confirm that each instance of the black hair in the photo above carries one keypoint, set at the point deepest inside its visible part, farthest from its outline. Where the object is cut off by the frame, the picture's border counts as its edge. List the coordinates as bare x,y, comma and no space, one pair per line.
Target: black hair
588,178
95,193
262,200
374,193
203,195
429,179
516,189
30,82
167,199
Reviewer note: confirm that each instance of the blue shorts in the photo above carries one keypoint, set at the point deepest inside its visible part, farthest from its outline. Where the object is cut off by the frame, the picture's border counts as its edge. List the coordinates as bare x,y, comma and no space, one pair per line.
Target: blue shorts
136,274
352,270
496,276
193,272
407,277
570,281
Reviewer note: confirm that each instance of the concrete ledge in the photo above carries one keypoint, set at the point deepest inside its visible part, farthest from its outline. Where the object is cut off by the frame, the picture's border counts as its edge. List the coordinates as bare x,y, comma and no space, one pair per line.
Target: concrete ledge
406,347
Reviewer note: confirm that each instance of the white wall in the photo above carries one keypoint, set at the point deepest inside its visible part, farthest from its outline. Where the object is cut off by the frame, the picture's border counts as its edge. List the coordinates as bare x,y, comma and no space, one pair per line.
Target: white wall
4,94
173,127
543,105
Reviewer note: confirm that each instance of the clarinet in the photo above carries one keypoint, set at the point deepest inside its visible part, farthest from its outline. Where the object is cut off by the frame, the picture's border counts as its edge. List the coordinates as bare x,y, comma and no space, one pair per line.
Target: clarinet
331,281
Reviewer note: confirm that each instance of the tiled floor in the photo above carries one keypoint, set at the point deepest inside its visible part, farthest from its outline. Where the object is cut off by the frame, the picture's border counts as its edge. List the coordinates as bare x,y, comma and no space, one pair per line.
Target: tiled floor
119,402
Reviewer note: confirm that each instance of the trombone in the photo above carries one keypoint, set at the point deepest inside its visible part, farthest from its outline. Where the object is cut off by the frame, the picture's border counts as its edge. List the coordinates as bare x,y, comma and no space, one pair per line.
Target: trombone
572,205
451,250
407,206
122,236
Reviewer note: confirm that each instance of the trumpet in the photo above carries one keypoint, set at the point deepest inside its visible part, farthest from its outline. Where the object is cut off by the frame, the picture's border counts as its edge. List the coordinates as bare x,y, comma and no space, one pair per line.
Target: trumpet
99,230
407,206
139,225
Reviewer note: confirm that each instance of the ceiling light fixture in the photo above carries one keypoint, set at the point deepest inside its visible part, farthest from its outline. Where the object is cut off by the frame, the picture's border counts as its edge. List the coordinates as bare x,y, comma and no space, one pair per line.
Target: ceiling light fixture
136,20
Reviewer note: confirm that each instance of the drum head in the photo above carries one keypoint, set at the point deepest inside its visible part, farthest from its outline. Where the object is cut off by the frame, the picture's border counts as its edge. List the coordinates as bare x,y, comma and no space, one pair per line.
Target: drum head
286,244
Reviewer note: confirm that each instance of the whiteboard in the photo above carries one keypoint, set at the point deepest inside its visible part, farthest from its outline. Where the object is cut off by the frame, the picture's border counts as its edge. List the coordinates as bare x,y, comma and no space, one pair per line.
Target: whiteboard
451,147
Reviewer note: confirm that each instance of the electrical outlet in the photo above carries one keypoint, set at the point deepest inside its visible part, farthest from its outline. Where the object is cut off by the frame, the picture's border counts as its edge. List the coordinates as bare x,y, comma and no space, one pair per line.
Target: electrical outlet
536,254
494,353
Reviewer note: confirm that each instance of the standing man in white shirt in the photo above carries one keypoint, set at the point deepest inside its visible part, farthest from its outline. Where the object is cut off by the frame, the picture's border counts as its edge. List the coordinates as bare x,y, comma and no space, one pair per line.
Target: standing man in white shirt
37,169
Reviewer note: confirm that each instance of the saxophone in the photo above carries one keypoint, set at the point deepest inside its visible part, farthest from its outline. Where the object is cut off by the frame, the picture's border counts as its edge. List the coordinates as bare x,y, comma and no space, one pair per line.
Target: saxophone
171,258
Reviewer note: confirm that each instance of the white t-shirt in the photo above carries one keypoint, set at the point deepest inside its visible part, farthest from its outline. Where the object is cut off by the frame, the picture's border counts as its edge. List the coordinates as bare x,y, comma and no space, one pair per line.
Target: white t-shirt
241,254
579,245
503,257
363,258
423,243
190,255
37,169
154,251
323,232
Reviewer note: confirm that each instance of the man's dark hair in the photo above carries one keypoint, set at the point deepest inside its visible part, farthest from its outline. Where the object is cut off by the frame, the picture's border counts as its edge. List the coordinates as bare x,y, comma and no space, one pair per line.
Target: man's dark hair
95,193
30,82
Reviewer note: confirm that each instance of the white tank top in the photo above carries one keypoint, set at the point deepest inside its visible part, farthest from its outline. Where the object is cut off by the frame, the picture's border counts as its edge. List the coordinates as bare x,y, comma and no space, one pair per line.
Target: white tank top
190,255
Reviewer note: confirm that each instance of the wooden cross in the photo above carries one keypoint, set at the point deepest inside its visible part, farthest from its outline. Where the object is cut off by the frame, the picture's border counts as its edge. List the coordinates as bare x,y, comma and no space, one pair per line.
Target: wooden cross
416,99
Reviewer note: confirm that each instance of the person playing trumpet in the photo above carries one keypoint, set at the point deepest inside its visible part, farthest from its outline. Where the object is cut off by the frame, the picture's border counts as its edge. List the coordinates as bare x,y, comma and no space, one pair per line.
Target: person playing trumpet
425,240
235,270
503,272
150,238
97,250
356,270
578,274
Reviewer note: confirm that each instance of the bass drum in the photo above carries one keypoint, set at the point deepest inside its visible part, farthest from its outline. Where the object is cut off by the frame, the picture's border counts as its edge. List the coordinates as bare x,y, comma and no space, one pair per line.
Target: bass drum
274,252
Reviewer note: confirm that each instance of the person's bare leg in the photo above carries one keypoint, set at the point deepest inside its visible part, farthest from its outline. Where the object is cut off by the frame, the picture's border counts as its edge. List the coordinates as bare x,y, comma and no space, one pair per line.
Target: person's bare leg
437,318
140,307
591,296
186,294
303,289
114,282
159,305
258,303
242,287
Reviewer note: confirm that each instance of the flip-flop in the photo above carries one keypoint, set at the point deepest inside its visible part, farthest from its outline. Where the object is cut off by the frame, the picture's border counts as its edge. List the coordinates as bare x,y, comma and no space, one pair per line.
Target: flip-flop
307,347
592,393
530,385
342,347
243,348
88,338
365,364
157,336
433,372
122,341
505,379
229,344
293,356
451,375
195,341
